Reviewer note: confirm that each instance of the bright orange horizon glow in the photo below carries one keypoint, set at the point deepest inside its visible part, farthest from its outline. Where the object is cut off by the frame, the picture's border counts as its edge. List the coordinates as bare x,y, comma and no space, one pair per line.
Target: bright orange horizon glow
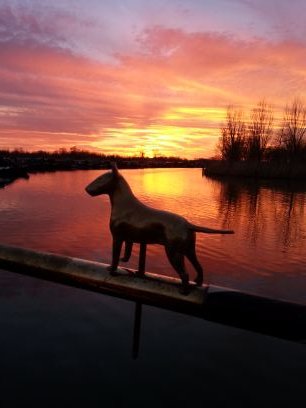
163,90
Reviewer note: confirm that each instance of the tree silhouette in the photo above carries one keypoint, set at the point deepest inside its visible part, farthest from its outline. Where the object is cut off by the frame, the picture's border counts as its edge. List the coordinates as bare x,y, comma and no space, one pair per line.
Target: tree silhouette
293,130
259,131
233,136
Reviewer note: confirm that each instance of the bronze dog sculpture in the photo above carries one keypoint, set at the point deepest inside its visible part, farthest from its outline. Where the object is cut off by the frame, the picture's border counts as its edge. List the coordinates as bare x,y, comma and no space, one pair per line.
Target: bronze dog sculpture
132,221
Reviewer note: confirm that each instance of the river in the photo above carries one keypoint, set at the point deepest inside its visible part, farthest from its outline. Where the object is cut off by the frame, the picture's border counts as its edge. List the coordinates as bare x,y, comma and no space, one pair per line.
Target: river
266,256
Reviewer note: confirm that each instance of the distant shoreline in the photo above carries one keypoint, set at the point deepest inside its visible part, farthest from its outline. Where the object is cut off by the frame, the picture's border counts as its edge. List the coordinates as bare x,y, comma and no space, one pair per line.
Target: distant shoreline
8,174
256,170
21,167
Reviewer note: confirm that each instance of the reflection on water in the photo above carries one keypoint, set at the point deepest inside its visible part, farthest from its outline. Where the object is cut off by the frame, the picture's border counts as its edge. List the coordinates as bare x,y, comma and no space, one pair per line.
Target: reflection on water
264,205
266,255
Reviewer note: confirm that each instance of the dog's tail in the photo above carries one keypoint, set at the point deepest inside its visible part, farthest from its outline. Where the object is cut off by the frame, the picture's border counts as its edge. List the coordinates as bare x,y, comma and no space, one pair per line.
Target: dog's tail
197,228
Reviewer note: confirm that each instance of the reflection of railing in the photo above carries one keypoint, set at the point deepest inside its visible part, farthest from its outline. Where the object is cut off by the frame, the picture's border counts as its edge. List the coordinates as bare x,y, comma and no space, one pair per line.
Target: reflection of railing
276,318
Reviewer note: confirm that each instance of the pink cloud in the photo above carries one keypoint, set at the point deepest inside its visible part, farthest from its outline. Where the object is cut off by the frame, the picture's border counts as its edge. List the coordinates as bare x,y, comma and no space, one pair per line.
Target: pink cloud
51,94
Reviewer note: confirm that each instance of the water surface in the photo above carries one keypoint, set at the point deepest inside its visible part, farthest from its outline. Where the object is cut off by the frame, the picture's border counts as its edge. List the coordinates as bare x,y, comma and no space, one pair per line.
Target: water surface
266,255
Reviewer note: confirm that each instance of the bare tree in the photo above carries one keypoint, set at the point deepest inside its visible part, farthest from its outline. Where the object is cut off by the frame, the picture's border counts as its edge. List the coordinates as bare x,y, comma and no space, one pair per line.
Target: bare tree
259,131
293,130
232,141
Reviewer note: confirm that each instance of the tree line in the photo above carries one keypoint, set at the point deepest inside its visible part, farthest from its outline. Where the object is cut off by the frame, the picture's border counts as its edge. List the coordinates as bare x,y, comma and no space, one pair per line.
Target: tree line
77,153
257,136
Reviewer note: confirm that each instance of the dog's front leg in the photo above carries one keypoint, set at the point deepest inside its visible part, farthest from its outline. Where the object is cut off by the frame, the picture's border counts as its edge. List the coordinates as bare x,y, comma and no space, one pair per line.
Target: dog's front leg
117,245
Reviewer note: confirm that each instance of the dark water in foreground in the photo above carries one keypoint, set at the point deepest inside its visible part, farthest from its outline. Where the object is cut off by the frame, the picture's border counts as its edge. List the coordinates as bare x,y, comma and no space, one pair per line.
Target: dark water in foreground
67,347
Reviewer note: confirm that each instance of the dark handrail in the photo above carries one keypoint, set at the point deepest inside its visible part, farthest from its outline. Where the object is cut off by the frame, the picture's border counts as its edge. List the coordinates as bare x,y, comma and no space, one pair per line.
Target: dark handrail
258,314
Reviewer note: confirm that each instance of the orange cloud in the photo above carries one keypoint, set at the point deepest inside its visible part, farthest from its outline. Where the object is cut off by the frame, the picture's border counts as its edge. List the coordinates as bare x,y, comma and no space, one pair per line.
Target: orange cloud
169,97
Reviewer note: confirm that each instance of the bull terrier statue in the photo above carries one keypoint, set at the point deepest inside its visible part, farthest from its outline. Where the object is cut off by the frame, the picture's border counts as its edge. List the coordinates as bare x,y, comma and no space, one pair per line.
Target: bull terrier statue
132,221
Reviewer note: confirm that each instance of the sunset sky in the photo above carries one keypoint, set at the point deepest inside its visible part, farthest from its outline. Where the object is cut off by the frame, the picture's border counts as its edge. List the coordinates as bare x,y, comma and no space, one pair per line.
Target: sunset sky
143,75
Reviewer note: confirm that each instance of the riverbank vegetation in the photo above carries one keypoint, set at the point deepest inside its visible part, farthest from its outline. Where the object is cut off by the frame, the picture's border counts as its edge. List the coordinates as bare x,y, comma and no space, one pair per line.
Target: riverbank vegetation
74,158
19,163
256,145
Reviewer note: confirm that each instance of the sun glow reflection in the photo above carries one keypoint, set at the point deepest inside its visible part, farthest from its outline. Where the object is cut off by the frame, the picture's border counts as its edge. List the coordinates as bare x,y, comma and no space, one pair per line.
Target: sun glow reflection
155,183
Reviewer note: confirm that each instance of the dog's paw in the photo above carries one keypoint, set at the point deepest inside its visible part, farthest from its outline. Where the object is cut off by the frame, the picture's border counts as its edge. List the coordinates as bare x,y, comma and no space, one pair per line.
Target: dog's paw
139,274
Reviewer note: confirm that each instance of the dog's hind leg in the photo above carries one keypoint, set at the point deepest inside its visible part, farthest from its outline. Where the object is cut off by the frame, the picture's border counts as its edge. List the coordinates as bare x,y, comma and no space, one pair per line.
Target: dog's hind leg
176,259
117,245
192,257
127,251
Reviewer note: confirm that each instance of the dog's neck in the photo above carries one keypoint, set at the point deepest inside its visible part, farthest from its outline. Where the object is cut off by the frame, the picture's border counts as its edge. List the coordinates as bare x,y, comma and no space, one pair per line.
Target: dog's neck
121,197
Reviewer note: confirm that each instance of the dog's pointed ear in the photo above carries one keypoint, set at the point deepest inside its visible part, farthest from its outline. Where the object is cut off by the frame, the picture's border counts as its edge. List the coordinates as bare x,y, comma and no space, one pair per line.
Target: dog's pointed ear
114,168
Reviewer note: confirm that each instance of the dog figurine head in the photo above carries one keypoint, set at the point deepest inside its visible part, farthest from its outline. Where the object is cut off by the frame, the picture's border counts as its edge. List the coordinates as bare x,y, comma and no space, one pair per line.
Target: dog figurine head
104,184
